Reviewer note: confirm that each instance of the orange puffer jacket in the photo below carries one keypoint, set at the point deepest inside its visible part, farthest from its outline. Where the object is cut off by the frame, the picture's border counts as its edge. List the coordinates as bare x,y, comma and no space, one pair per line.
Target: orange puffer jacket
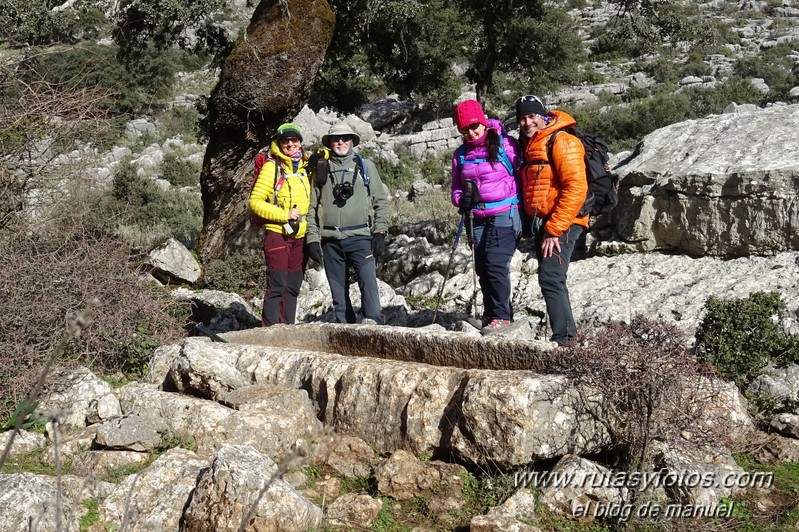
555,194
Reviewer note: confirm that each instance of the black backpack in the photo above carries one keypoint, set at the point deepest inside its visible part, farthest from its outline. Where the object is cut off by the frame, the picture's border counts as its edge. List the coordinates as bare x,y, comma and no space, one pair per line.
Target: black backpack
603,186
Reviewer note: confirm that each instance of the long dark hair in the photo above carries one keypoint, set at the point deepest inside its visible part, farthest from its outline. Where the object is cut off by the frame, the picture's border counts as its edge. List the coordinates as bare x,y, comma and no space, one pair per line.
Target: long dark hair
492,144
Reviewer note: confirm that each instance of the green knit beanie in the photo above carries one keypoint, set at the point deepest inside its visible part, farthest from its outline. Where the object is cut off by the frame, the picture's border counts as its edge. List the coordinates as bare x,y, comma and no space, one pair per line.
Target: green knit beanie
288,130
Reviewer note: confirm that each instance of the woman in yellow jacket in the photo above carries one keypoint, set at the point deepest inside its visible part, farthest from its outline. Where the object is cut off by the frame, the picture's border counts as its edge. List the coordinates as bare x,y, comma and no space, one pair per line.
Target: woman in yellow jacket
281,197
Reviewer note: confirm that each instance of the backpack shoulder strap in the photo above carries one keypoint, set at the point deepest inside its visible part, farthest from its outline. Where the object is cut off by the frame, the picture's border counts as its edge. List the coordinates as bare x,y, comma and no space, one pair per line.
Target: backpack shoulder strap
362,167
460,155
550,145
502,155
280,177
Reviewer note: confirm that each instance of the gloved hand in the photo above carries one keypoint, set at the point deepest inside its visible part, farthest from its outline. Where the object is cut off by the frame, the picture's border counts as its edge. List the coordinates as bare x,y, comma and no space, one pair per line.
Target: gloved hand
378,244
315,251
470,196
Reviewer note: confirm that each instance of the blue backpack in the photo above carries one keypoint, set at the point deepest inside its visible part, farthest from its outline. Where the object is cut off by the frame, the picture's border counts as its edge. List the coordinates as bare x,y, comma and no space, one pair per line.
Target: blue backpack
460,154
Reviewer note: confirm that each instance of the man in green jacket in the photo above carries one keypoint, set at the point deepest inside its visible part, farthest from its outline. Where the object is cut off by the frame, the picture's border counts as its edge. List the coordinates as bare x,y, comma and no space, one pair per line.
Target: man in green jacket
339,230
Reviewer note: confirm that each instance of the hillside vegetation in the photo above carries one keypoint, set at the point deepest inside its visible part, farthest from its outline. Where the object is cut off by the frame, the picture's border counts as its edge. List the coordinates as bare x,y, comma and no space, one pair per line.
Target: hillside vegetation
73,77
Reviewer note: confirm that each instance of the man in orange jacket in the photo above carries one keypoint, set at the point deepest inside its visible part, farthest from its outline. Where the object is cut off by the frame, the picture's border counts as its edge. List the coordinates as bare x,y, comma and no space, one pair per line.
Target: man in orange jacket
552,194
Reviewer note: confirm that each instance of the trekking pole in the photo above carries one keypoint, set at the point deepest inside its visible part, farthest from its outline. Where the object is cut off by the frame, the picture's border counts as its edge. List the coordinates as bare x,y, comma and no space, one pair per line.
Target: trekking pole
449,266
474,267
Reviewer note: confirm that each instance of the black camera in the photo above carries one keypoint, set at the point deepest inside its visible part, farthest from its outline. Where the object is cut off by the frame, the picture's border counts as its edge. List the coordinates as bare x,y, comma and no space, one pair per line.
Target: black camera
342,191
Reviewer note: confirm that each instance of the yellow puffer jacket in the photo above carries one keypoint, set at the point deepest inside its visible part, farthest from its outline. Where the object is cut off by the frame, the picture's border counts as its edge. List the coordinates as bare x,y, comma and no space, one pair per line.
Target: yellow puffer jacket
555,195
294,193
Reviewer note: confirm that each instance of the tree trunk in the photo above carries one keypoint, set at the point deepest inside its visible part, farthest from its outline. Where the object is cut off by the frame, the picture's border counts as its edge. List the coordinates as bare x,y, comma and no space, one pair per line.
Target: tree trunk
264,82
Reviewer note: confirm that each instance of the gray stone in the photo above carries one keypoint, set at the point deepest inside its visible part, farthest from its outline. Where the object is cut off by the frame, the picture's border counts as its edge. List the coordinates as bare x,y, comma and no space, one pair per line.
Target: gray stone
173,263
244,486
131,433
354,510
154,498
711,187
75,397
786,424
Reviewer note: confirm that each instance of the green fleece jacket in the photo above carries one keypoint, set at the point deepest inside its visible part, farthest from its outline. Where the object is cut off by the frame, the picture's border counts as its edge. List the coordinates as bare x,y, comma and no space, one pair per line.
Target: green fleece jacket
329,217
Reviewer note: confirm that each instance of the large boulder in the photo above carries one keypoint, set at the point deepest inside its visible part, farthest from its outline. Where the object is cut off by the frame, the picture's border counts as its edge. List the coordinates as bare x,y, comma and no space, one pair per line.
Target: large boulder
723,185
264,81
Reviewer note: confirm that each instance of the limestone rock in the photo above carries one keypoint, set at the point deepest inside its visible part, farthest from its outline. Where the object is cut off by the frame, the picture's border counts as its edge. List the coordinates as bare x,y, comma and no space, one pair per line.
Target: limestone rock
354,510
786,424
507,516
711,187
350,457
173,263
73,396
28,502
219,311
587,485
155,498
131,433
403,476
272,427
243,486
24,441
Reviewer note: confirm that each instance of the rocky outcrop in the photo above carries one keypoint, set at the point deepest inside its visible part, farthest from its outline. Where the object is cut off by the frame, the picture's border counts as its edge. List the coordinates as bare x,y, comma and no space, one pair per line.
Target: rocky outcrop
241,488
172,263
425,409
723,185
265,81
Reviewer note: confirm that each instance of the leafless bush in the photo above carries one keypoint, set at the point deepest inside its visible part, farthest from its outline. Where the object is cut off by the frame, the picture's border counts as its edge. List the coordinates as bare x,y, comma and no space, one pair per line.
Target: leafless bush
651,386
46,276
40,121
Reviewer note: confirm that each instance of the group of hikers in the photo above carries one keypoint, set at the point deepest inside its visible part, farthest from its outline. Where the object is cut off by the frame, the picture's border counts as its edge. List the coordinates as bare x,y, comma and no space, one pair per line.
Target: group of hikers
331,207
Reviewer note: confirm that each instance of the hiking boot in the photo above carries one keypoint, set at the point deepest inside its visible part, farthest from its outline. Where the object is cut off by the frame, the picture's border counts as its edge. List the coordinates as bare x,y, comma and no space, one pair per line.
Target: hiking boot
495,324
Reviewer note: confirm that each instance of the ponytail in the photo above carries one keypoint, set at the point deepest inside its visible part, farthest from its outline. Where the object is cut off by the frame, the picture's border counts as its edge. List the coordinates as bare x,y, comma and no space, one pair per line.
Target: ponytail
492,144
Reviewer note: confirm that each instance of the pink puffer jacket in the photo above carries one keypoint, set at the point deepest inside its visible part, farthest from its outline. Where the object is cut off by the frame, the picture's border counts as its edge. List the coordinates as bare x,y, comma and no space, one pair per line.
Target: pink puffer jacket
493,180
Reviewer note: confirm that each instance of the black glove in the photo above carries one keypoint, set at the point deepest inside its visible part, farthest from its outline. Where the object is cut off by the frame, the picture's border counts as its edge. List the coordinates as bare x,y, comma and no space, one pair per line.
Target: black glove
378,244
470,196
315,251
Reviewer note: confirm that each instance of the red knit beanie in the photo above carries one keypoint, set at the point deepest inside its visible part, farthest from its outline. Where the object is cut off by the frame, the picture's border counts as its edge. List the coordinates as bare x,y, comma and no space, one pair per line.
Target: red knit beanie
469,112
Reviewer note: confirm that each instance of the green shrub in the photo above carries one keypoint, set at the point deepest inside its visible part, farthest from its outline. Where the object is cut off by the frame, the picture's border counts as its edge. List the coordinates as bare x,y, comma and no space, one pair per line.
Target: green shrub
179,171
624,126
137,209
242,272
146,84
435,169
182,121
741,336
400,175
35,23
774,65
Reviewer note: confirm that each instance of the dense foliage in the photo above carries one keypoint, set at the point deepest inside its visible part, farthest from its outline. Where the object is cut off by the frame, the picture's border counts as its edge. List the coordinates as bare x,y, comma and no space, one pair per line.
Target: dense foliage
421,43
740,337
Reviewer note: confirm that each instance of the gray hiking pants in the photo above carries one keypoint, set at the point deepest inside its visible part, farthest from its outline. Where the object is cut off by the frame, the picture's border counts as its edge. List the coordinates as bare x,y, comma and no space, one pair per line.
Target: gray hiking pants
357,252
552,280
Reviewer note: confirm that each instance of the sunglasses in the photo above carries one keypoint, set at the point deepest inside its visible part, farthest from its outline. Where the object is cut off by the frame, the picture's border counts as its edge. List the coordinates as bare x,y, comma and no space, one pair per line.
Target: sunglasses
340,138
529,99
472,127
293,140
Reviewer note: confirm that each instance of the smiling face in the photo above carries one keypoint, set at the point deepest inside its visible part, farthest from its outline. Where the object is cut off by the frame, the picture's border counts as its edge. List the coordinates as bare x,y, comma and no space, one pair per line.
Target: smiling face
341,144
290,146
529,124
473,132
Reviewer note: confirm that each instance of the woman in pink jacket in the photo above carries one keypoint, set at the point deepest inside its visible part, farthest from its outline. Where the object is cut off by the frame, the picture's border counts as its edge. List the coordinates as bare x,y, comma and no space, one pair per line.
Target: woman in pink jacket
483,183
